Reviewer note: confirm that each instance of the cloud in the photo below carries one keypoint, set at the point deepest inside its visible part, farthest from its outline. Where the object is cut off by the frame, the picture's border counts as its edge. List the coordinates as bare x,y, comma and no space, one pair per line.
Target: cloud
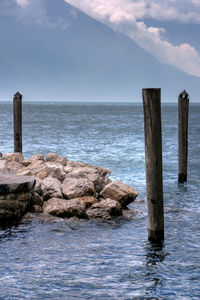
22,3
32,12
127,16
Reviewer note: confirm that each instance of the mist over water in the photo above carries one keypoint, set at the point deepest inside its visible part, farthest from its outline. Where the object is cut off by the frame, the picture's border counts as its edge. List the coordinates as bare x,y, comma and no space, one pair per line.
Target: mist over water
51,258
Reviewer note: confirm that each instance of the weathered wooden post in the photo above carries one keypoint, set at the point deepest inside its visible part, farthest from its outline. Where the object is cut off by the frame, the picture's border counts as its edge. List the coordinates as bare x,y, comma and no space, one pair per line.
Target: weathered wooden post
183,109
153,157
17,118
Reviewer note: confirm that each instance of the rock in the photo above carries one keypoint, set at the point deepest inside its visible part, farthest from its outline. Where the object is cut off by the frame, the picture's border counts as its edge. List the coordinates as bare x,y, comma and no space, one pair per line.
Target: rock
75,188
52,157
37,187
36,209
17,156
99,176
14,166
26,162
15,196
36,157
51,188
76,164
56,170
42,173
88,200
36,200
68,169
65,208
3,164
1,154
32,169
11,183
104,209
120,192
130,214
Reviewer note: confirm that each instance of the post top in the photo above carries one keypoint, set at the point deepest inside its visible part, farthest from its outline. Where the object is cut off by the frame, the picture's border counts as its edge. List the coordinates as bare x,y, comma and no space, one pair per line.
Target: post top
17,96
184,95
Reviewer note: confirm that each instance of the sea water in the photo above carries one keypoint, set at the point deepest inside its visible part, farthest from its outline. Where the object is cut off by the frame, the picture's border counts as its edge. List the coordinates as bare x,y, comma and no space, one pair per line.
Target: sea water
52,258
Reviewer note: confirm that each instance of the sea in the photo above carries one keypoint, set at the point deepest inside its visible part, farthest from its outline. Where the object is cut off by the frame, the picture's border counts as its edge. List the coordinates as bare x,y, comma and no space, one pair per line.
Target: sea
53,258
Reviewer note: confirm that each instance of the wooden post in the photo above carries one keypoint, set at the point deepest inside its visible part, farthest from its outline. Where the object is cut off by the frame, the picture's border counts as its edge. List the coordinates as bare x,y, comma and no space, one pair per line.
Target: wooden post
153,157
17,118
183,109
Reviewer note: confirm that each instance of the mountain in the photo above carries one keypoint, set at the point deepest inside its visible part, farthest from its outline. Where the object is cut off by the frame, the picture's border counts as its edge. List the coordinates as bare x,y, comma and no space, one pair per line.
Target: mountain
69,56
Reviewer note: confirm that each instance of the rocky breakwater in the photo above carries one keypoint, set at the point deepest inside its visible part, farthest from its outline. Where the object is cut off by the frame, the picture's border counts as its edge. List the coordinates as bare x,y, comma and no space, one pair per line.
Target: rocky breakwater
67,188
15,196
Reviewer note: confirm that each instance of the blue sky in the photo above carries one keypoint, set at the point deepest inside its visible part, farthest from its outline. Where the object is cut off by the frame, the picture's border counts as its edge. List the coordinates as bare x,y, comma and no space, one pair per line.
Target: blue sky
95,45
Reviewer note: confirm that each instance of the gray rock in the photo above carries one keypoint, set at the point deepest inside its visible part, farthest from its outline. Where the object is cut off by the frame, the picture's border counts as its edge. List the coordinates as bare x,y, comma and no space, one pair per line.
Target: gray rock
26,162
36,209
120,192
15,196
14,166
32,169
37,187
36,200
105,209
99,176
56,170
12,183
51,188
130,214
52,157
3,164
74,188
65,208
88,200
18,157
36,157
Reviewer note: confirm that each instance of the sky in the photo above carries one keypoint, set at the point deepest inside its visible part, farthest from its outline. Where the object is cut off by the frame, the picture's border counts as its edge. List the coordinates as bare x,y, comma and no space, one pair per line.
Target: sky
110,49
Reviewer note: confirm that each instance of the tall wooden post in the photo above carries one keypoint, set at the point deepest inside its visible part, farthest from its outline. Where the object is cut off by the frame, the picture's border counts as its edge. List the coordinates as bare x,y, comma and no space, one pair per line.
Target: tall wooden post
153,157
183,109
17,118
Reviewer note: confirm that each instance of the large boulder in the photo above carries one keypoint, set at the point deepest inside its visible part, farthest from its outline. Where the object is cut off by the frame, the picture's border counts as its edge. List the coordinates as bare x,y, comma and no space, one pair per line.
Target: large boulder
105,209
76,164
78,187
120,192
99,176
65,208
14,166
88,200
33,168
55,170
52,157
35,157
15,196
17,156
51,188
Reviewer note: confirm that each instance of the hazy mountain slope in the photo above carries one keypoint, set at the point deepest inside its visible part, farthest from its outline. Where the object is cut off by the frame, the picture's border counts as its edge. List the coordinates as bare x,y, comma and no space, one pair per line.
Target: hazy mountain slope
85,61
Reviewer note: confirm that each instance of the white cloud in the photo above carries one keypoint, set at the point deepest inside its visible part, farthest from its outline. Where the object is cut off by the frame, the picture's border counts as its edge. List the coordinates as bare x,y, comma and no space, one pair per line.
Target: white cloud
127,17
22,3
32,12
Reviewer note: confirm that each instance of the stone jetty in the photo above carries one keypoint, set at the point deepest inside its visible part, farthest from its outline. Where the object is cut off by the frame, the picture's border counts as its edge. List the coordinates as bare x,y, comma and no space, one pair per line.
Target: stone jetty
16,194
60,187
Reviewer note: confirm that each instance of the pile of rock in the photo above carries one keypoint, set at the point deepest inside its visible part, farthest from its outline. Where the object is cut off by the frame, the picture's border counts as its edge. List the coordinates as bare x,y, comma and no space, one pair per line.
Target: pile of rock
67,188
16,194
